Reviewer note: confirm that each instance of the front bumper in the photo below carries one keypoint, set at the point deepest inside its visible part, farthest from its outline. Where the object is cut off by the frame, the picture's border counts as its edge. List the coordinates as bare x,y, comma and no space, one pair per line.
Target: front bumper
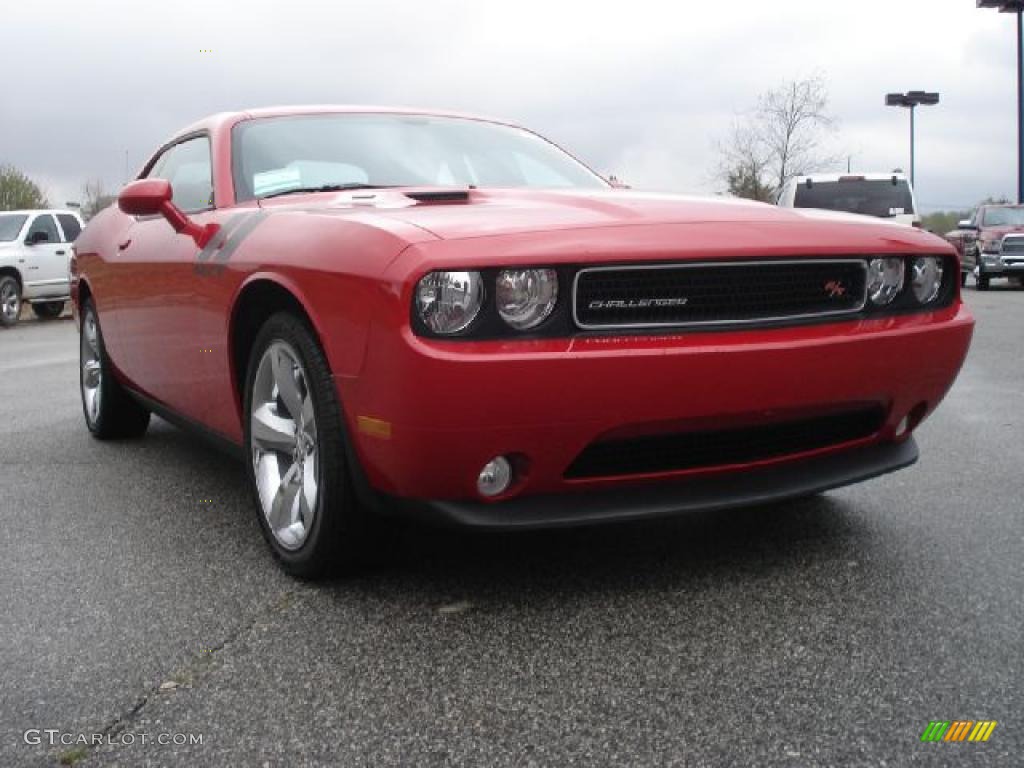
763,485
426,415
998,265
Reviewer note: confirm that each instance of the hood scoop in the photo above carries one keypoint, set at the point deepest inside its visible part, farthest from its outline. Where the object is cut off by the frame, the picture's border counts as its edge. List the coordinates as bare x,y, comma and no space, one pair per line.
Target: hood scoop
437,196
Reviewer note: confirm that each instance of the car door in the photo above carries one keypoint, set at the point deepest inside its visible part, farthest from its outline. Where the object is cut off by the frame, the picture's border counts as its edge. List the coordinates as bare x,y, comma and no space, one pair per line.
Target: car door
156,265
972,241
46,259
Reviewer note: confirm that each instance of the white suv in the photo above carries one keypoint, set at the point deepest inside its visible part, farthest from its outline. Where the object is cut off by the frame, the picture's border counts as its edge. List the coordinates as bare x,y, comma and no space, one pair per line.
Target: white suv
883,195
35,251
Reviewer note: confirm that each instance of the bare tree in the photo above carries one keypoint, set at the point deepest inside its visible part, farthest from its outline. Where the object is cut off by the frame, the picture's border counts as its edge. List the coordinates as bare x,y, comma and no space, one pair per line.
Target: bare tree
744,164
95,198
18,191
780,139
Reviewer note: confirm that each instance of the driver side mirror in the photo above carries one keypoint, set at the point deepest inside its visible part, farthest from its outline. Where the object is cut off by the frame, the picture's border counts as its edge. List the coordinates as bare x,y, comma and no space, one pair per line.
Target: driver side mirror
967,224
152,197
37,237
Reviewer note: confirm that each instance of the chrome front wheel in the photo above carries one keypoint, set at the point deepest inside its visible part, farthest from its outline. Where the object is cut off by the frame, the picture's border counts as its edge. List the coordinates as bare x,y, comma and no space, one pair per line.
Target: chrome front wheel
10,301
285,445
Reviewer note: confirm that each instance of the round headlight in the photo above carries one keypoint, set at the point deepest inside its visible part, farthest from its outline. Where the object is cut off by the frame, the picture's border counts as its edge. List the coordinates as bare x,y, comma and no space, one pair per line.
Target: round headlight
525,297
926,279
885,279
447,302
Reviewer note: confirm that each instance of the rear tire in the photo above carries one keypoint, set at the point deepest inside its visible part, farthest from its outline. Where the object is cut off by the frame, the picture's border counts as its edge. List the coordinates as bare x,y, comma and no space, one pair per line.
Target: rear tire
963,279
10,301
110,412
295,452
982,281
48,310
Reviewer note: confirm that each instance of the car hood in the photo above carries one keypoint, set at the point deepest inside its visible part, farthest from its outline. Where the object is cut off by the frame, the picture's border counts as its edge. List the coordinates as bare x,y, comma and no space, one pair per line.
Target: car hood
460,214
993,232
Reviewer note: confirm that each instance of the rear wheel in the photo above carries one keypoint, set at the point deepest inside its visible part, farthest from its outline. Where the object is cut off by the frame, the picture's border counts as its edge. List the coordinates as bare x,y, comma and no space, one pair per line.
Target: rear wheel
981,280
110,412
963,279
48,310
10,301
295,452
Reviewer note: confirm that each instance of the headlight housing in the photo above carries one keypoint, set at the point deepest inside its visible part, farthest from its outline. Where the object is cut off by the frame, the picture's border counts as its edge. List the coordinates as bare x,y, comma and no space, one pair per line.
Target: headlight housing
525,297
926,278
447,302
885,279
992,245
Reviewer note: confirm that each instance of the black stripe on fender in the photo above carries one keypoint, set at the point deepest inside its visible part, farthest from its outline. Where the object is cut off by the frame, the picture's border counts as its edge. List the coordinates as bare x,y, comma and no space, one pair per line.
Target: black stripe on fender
221,237
211,259
238,235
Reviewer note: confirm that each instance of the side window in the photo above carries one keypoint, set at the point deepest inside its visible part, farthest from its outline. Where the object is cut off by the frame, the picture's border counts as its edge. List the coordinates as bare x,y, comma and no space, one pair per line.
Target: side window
70,225
45,224
187,167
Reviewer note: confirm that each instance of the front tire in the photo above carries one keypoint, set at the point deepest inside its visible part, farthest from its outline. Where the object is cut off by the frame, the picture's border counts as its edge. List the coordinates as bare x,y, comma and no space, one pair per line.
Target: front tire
110,412
295,452
10,301
48,310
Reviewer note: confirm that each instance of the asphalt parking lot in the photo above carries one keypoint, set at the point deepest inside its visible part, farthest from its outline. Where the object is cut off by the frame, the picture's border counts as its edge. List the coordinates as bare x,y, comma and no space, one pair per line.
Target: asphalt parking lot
140,600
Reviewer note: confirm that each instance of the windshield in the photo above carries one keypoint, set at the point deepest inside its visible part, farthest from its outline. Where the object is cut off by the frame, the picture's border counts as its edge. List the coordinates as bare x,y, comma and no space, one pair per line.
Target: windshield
10,226
879,197
275,155
1003,217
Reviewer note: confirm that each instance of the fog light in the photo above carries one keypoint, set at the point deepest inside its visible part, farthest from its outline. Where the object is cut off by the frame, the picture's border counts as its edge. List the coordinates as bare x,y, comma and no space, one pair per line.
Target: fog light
495,477
901,428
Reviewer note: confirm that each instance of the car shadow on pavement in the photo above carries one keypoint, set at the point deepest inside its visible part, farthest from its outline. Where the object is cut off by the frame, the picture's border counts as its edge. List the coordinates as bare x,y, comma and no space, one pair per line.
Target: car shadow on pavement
731,546
445,562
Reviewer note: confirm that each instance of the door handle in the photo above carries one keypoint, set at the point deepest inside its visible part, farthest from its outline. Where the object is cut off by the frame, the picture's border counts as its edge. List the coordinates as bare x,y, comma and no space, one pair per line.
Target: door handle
124,245
61,253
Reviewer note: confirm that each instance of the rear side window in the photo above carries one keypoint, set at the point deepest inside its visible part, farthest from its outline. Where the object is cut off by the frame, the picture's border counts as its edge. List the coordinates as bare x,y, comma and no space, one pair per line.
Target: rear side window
45,223
10,226
881,197
187,167
70,226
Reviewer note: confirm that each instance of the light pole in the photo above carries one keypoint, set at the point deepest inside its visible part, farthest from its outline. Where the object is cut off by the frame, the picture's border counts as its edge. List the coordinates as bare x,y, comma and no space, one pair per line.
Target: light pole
1015,6
912,99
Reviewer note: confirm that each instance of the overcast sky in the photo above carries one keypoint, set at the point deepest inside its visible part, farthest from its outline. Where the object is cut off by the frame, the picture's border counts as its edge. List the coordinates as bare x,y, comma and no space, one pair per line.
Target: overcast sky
638,89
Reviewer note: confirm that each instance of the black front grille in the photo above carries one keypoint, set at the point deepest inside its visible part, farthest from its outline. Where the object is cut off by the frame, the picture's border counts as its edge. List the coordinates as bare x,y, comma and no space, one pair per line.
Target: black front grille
695,450
728,292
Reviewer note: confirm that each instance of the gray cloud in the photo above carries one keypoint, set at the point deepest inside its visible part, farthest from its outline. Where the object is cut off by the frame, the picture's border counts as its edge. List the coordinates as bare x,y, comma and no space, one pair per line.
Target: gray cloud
640,89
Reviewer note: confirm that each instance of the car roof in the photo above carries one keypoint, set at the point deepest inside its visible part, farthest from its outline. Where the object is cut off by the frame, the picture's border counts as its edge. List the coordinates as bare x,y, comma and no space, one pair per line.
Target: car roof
827,177
30,211
226,119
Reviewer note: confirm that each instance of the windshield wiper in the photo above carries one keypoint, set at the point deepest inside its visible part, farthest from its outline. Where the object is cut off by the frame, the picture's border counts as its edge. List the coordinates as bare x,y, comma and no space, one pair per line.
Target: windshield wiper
325,188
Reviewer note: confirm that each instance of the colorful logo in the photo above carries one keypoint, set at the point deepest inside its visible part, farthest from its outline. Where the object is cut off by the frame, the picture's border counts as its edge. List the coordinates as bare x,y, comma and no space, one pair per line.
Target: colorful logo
958,730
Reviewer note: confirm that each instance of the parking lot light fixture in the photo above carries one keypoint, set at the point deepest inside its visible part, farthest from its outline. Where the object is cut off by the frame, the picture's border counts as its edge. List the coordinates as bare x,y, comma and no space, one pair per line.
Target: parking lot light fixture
912,99
1017,7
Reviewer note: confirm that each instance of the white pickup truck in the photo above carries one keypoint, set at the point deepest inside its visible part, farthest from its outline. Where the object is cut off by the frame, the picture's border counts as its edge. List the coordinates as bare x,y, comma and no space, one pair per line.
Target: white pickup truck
882,195
35,251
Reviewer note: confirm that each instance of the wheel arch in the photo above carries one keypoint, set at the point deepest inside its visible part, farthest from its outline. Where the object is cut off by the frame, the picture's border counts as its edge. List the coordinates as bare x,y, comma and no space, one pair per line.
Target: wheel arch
259,297
12,271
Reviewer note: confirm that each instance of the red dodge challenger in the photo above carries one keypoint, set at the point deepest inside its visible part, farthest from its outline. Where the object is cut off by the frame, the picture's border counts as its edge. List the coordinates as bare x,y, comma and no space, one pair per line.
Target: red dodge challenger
401,312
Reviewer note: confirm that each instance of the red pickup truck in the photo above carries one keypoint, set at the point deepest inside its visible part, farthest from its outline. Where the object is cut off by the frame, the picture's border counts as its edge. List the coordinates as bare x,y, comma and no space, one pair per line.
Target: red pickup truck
991,244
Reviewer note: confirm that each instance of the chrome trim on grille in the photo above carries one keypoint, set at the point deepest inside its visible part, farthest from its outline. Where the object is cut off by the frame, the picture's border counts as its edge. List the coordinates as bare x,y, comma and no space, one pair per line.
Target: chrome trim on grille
863,263
1017,242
